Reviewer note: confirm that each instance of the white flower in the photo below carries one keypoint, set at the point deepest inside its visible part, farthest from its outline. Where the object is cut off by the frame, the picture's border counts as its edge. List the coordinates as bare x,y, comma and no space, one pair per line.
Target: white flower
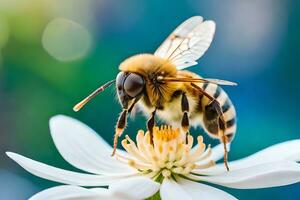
175,169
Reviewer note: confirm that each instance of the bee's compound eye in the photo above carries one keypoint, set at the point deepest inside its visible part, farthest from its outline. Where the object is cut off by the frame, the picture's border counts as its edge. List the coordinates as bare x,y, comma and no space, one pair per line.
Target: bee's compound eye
120,80
134,84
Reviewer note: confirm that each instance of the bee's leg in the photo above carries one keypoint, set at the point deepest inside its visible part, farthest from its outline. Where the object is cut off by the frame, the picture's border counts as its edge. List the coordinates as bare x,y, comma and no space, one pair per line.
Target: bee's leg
150,125
222,127
121,124
133,104
214,121
185,118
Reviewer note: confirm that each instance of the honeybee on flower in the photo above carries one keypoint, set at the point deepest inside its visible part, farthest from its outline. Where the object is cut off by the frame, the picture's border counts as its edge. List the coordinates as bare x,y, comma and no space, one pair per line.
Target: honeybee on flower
160,85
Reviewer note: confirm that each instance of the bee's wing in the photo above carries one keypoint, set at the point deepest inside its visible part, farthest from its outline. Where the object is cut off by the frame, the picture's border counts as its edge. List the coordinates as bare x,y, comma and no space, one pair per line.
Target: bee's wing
219,81
195,80
188,42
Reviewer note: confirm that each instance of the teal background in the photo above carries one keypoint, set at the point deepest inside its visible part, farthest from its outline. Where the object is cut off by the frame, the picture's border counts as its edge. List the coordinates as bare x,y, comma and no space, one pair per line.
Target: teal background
256,44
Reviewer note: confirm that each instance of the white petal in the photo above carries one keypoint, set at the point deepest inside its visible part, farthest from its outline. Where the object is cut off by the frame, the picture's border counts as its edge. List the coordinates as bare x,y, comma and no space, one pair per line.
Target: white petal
84,148
63,176
134,188
68,192
218,152
288,150
201,191
170,190
261,176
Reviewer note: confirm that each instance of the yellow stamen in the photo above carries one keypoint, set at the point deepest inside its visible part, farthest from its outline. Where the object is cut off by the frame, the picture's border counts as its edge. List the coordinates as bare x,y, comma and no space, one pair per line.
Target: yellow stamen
169,154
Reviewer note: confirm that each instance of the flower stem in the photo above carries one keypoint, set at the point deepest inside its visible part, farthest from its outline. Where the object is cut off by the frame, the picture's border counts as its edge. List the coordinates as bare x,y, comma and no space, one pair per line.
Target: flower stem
156,196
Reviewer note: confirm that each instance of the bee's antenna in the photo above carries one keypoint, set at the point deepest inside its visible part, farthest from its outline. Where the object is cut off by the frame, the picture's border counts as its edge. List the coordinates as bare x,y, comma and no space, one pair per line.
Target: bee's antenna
78,106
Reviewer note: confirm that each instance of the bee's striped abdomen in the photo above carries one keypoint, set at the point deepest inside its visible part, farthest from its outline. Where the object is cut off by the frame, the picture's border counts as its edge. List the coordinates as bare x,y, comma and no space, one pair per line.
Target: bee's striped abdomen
211,121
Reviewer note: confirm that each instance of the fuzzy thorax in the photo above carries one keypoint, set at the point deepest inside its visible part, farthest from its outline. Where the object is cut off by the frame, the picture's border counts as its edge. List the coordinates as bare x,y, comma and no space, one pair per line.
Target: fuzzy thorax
146,64
169,156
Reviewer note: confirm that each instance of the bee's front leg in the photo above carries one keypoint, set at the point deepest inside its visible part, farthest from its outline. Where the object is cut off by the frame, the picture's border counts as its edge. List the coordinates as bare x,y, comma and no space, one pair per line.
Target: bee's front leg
185,118
151,124
121,124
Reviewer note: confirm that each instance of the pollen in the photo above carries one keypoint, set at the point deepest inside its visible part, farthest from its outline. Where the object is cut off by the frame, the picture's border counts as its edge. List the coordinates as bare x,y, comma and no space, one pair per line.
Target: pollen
165,133
131,163
169,154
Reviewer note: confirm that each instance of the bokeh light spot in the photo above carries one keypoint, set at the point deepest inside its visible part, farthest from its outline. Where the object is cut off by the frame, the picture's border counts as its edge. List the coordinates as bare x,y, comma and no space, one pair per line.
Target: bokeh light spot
66,40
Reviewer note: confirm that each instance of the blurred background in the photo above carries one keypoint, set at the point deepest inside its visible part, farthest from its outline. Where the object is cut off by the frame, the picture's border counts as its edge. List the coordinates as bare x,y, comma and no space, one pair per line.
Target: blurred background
54,52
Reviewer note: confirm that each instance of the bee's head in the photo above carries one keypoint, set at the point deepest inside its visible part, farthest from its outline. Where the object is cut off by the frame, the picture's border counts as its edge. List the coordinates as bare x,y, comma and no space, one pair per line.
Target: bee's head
129,86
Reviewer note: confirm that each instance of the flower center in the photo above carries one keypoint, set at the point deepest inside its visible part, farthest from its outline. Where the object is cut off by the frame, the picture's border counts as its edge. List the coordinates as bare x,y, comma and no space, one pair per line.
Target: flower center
169,154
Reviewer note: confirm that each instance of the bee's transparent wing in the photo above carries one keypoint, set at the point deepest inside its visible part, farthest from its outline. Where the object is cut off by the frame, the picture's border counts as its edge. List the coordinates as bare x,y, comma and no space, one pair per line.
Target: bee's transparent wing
195,80
219,81
188,42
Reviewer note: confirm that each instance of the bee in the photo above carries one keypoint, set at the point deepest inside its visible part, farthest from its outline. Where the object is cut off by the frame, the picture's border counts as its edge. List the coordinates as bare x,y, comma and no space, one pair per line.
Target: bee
160,86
